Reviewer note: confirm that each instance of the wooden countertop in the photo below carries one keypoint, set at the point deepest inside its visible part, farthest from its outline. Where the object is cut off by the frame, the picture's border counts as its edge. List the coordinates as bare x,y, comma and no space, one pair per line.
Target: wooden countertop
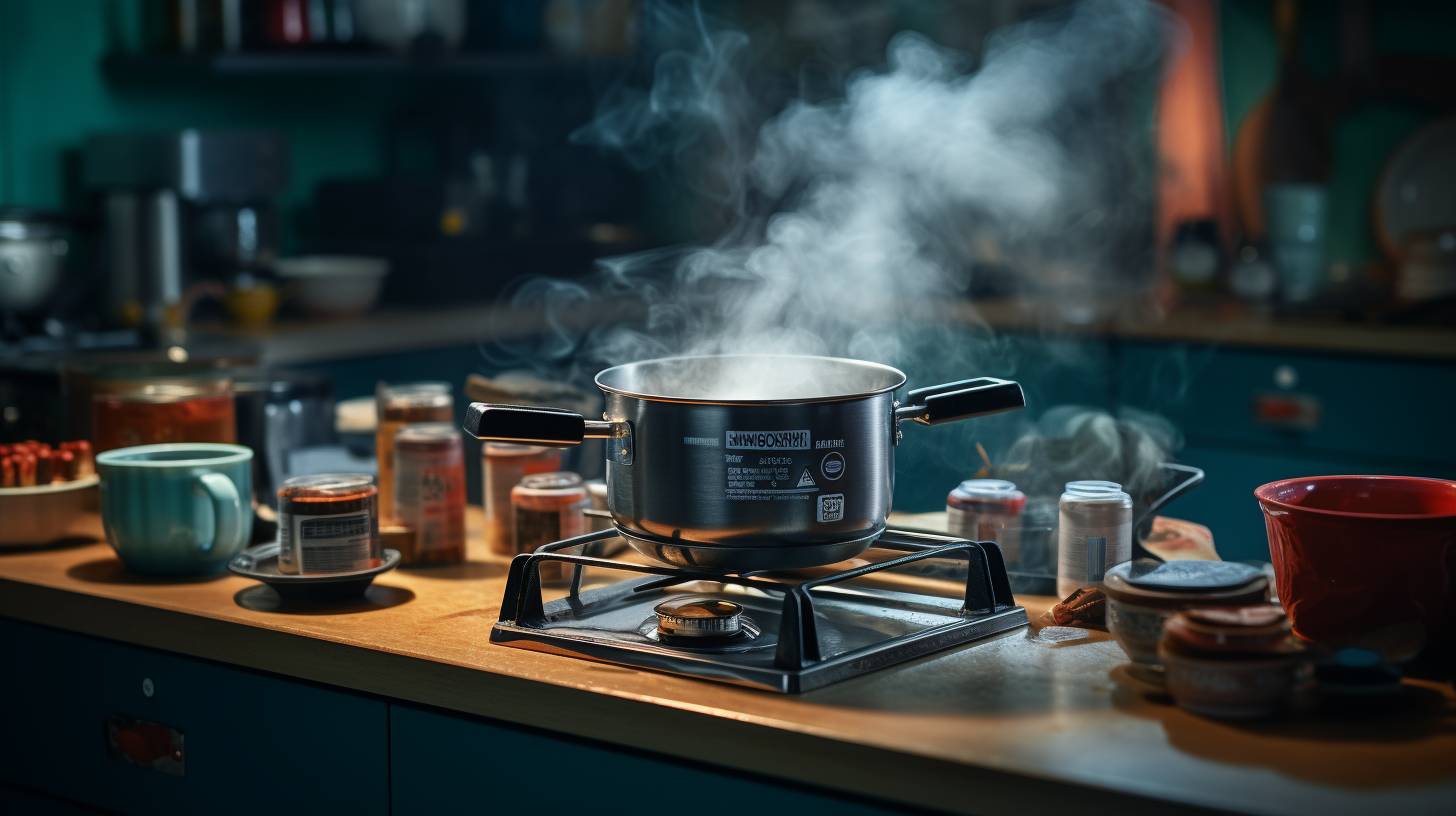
1010,725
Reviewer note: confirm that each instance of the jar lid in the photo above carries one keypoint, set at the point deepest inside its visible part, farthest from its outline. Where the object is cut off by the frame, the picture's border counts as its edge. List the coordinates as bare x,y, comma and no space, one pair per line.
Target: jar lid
1184,576
1094,490
990,488
326,486
551,482
427,435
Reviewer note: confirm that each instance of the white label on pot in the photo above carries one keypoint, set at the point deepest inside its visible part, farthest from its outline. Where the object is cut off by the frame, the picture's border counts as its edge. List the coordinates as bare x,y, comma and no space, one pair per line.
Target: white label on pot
766,440
831,507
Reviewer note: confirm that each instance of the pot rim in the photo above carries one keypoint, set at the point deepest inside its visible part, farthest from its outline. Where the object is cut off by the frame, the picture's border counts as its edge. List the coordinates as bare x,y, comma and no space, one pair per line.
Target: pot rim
896,375
1265,495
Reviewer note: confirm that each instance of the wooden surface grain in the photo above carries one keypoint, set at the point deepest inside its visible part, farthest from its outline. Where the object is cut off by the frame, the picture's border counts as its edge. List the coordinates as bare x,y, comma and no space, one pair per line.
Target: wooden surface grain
1004,726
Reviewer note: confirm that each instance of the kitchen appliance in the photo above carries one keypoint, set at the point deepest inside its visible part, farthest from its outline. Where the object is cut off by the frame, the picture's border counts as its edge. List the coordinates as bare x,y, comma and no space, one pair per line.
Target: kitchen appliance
784,632
34,247
182,206
740,462
1355,554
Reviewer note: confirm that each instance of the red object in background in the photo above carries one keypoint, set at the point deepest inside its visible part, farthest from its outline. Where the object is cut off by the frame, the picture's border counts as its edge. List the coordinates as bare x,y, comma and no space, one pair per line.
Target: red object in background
1356,553
155,414
288,22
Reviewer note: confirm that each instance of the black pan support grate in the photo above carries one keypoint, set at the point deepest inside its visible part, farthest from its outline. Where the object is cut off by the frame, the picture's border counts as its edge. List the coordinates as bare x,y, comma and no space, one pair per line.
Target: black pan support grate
800,661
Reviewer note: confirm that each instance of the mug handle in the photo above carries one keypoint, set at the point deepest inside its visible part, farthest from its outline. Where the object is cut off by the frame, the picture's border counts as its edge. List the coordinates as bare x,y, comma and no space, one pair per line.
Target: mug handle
227,508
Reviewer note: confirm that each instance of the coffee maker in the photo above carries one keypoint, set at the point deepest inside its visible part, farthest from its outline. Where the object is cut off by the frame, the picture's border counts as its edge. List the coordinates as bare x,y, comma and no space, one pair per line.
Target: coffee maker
179,208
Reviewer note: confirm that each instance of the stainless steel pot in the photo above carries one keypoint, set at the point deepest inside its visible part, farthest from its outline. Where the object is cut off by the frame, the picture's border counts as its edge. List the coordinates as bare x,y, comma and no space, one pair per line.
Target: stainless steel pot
745,462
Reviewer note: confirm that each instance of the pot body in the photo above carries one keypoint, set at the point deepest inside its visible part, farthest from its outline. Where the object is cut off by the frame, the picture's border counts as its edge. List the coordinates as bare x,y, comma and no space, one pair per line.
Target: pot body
752,476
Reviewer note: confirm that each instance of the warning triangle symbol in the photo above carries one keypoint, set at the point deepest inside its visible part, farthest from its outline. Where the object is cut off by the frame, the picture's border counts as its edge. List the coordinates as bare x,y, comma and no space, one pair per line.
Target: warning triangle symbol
806,480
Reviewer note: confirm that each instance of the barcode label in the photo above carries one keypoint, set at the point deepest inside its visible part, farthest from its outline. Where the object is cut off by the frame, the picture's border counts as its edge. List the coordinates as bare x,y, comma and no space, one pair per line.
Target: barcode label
340,543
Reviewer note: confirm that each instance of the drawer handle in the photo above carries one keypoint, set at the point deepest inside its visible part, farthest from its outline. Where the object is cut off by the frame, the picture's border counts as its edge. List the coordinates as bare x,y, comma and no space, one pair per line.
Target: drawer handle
1298,412
146,744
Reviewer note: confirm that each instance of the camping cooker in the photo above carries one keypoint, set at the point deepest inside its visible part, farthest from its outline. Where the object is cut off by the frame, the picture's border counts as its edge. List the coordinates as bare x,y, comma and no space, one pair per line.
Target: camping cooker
748,462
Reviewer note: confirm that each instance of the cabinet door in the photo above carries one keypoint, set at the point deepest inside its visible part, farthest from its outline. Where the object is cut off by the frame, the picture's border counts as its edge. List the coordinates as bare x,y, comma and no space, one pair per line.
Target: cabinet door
252,743
50,691
447,764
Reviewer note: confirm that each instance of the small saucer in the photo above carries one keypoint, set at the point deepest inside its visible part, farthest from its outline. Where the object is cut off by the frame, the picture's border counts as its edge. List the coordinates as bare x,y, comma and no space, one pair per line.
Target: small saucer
261,564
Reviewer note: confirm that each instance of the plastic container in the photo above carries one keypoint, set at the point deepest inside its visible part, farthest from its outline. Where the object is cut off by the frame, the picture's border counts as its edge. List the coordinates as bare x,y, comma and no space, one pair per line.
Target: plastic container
429,492
398,406
987,510
1094,532
328,523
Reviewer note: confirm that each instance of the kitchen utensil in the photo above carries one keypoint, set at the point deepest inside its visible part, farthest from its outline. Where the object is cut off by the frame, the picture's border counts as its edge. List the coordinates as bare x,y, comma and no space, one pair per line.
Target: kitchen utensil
260,563
177,509
1142,594
43,514
749,461
333,285
1355,553
1417,189
34,247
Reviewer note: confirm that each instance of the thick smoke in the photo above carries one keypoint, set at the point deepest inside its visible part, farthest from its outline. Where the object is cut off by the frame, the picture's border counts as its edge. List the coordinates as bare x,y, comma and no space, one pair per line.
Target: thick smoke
852,223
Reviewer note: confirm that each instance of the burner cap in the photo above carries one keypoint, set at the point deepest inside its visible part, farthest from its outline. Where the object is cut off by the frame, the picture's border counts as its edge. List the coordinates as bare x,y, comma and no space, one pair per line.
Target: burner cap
698,617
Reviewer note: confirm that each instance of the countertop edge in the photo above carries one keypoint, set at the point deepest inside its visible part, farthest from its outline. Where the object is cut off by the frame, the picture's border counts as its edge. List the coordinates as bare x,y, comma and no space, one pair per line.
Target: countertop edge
818,762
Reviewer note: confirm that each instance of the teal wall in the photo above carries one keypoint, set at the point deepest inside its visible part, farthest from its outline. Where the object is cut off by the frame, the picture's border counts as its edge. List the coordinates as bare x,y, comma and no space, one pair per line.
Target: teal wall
1365,139
52,92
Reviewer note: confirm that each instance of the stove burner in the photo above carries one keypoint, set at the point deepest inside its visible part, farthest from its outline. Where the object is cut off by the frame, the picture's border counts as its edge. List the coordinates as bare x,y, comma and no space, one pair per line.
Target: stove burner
698,617
782,632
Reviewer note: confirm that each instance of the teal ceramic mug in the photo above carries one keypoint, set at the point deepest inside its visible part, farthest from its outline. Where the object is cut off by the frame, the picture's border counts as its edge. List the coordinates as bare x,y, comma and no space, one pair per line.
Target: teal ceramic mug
177,509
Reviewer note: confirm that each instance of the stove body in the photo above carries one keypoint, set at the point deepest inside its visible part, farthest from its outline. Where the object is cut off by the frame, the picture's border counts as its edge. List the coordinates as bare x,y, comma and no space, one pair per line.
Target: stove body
789,633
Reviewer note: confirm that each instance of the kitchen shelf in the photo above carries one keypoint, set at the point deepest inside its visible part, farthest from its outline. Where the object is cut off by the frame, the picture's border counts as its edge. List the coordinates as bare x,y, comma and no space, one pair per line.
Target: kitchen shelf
293,64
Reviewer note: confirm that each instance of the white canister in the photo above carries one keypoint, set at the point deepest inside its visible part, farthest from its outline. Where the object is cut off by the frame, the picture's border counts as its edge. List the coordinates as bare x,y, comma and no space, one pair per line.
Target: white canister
1094,532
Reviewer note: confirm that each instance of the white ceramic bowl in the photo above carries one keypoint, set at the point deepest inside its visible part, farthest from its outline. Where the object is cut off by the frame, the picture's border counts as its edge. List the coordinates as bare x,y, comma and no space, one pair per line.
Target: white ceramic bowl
33,516
333,285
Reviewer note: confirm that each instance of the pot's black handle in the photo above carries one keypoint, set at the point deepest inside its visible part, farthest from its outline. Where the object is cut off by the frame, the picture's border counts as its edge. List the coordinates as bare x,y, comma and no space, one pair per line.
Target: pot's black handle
531,426
961,400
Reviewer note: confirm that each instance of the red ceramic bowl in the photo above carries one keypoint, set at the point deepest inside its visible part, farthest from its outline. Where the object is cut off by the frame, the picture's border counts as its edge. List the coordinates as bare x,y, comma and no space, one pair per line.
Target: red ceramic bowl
1355,553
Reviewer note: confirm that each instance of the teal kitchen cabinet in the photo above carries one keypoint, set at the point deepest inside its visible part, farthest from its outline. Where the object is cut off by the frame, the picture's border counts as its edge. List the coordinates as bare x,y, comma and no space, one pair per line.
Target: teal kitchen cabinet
251,743
1250,417
451,764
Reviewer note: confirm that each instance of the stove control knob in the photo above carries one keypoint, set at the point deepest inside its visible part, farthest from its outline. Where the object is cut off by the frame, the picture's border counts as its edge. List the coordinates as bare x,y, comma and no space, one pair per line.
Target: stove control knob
699,617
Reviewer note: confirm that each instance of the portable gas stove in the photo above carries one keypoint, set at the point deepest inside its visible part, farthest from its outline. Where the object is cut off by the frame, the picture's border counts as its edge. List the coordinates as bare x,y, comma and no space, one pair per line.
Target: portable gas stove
786,632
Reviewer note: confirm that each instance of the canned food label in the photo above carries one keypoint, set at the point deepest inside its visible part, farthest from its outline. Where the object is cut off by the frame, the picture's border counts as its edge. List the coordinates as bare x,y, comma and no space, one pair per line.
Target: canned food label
766,440
332,543
831,507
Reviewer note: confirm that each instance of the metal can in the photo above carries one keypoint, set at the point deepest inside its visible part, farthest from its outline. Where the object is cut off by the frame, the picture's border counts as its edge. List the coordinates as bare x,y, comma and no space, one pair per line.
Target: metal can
1094,532
429,492
503,465
987,510
547,507
328,523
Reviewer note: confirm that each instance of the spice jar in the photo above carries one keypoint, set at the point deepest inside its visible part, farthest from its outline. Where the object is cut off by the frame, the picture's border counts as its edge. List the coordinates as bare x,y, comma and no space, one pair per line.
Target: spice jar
503,465
1094,532
127,413
397,406
328,523
987,510
546,507
429,492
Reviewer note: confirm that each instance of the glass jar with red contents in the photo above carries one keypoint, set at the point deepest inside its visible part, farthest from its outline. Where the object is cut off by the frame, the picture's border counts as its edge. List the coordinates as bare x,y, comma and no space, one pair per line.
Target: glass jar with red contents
146,412
399,405
328,523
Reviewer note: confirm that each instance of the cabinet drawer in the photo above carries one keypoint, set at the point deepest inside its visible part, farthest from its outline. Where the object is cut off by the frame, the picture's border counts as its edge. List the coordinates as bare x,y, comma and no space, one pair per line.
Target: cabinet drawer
1389,409
250,741
490,768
